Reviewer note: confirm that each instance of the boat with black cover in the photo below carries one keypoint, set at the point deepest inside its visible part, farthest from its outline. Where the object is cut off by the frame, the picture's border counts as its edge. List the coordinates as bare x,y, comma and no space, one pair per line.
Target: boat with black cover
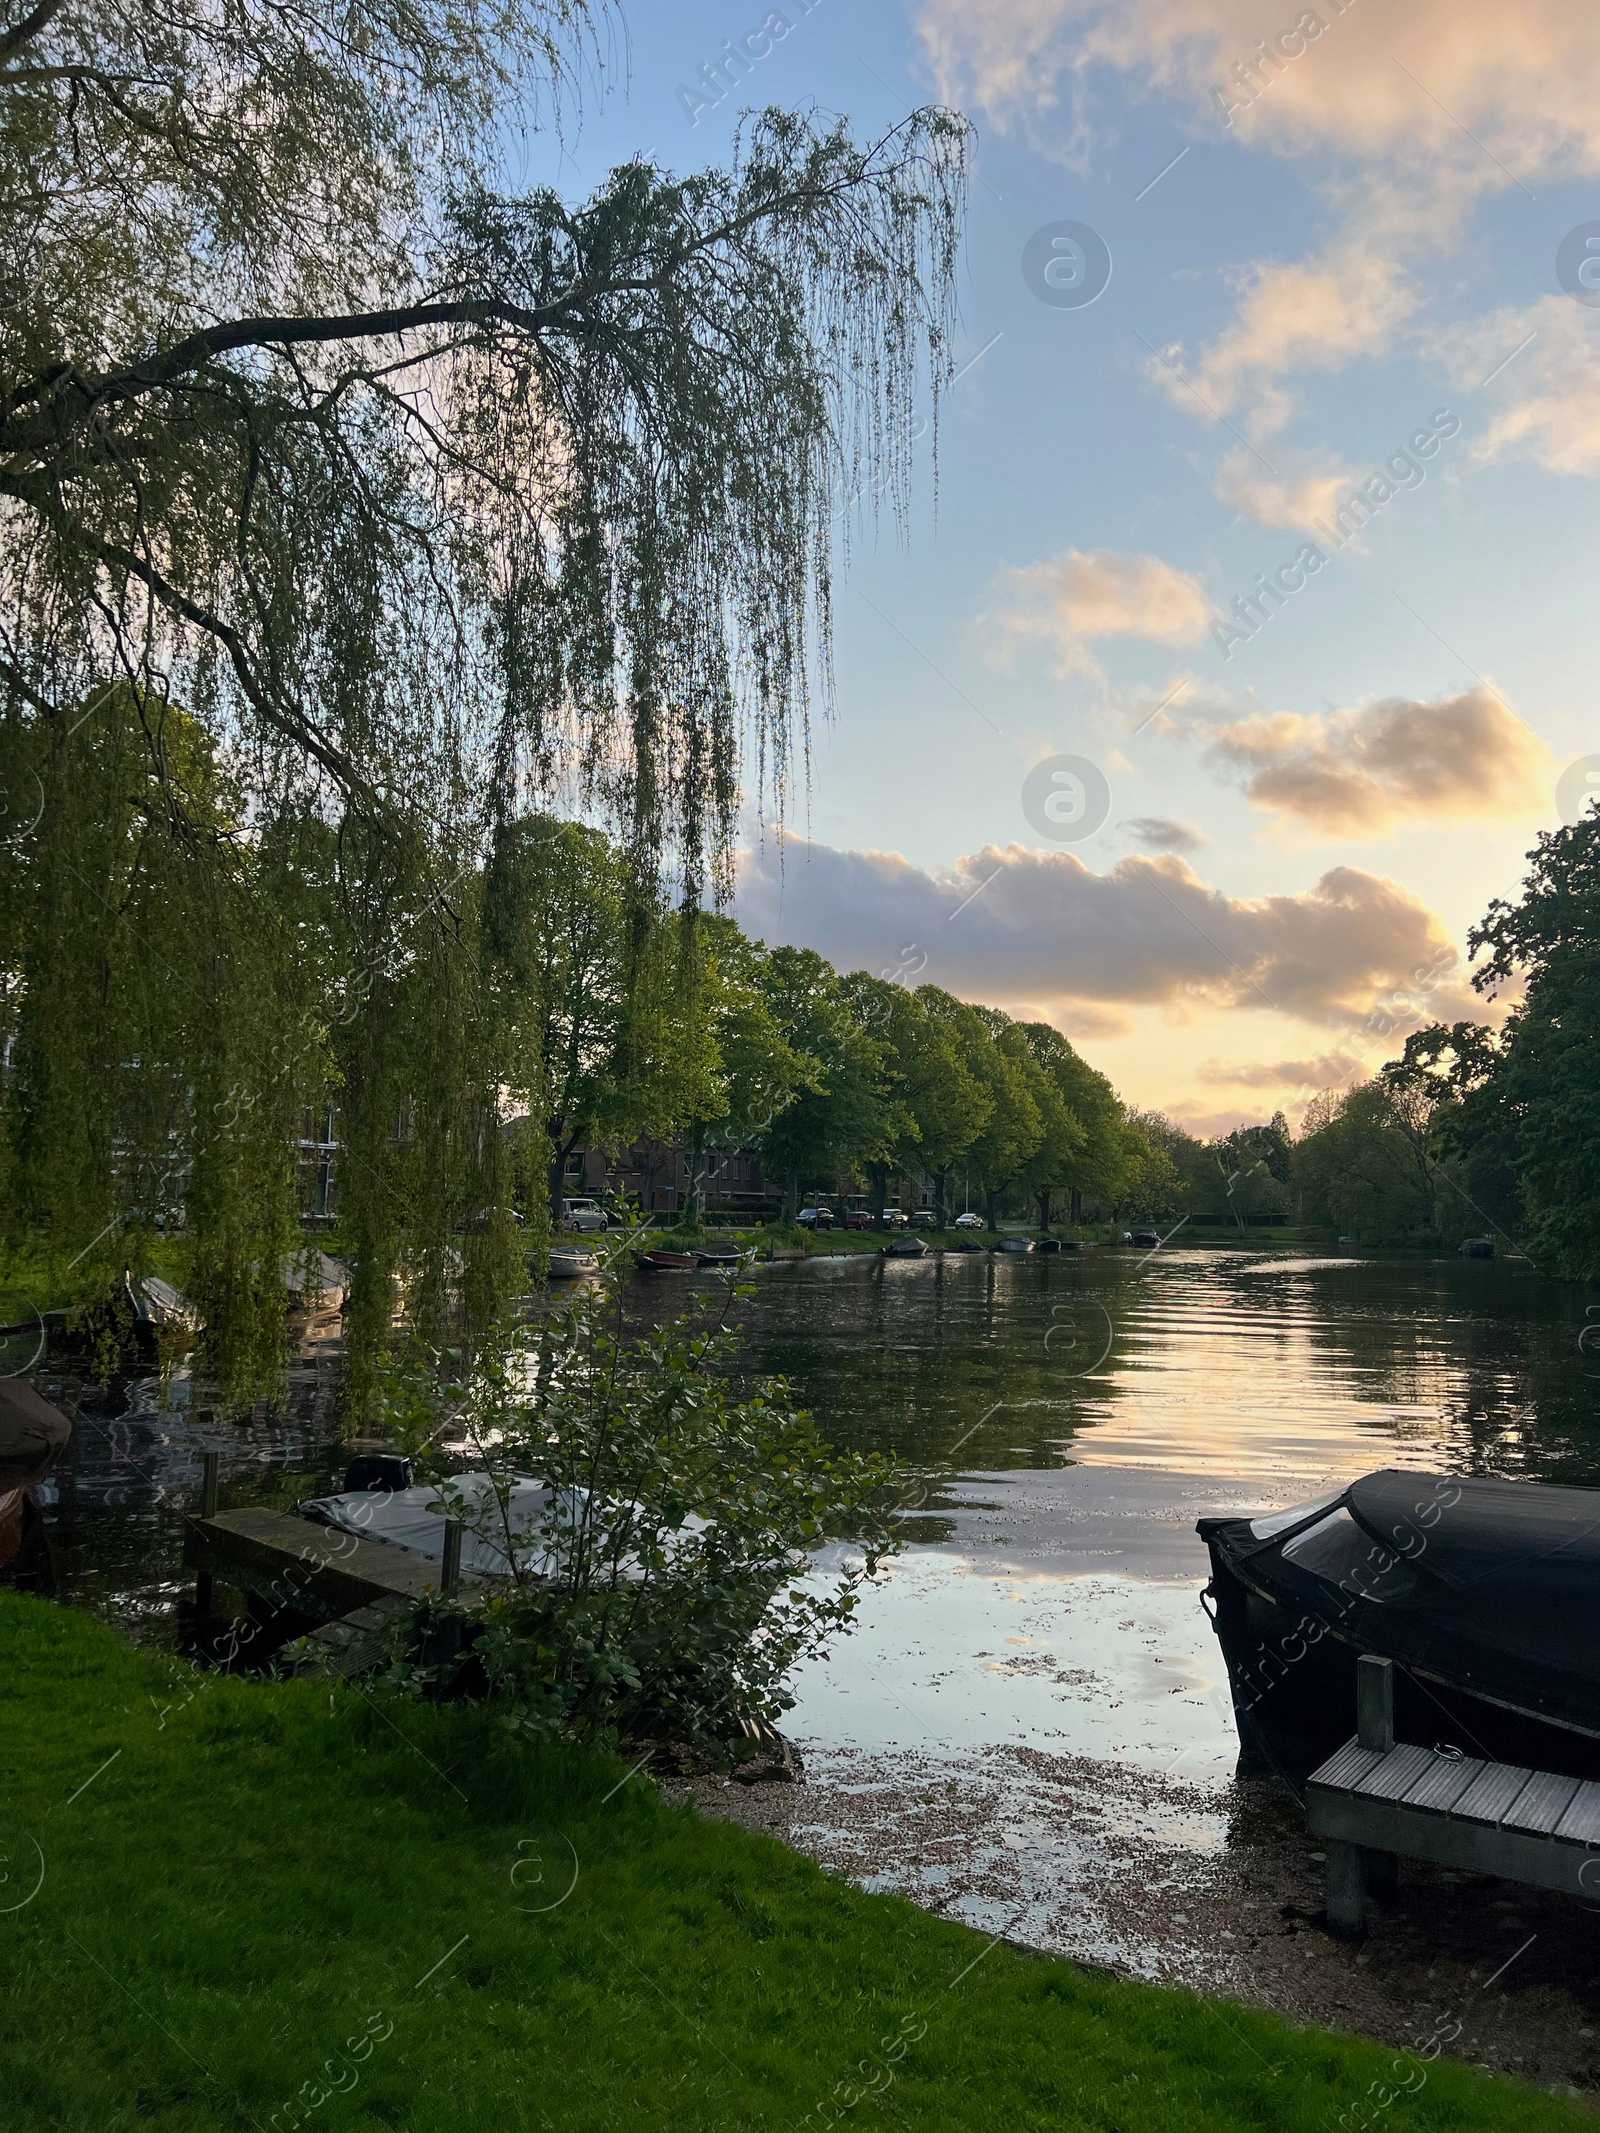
33,1435
1484,1593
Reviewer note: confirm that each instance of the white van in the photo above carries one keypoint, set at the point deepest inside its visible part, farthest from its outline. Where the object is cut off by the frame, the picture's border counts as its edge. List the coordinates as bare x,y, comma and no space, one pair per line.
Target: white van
585,1215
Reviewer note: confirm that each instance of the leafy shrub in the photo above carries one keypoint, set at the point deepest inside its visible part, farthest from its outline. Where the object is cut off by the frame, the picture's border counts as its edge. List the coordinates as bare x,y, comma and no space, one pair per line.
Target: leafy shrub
658,1519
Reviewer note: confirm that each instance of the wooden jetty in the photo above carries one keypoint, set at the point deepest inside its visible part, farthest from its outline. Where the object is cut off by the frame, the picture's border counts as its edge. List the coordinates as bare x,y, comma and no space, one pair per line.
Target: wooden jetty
1375,1801
300,1579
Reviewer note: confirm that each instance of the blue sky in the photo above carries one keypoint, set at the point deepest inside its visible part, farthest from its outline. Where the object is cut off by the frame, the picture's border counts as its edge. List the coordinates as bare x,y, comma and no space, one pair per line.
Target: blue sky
1315,817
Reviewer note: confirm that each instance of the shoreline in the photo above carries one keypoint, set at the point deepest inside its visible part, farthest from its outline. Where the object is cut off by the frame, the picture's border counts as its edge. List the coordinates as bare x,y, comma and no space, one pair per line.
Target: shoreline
1039,1845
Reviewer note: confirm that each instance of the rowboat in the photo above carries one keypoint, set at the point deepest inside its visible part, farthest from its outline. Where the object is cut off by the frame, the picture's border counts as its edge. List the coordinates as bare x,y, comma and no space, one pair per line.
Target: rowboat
660,1262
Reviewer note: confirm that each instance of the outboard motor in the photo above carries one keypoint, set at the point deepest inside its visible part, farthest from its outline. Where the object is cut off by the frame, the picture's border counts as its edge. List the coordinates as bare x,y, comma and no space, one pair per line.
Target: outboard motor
376,1473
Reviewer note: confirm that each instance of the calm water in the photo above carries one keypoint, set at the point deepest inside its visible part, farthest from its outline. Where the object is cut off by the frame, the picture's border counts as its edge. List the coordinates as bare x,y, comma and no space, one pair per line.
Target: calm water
1030,1727
1082,1411
1072,1416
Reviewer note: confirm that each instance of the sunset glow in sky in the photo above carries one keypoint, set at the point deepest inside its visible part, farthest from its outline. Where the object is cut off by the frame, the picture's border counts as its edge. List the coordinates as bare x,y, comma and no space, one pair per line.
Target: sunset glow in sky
1330,730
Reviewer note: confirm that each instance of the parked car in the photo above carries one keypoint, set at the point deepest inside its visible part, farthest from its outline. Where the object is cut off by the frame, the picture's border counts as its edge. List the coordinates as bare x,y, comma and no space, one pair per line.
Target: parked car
925,1218
859,1218
584,1215
894,1218
969,1221
815,1217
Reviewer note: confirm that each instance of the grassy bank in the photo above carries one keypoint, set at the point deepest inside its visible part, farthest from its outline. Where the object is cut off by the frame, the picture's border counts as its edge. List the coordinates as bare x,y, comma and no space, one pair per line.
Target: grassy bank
256,1894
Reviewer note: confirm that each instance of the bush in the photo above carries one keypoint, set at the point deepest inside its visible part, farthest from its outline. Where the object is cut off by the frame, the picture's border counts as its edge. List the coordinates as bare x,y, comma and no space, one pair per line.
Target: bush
658,1520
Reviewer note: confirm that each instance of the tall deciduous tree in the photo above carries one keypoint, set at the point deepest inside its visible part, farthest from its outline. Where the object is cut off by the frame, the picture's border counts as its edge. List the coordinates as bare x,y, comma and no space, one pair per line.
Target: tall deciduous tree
842,1114
1095,1163
602,1040
1020,1115
1542,1096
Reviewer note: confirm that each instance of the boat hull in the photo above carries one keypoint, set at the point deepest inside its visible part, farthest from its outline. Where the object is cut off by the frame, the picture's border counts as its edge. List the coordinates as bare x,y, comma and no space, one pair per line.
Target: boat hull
1292,1677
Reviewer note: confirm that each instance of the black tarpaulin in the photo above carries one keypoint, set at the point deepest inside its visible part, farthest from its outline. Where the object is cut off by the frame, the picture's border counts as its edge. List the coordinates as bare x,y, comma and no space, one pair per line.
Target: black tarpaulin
1492,1586
32,1433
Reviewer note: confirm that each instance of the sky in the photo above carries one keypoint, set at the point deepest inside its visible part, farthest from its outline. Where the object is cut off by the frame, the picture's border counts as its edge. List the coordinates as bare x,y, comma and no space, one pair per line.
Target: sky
1228,265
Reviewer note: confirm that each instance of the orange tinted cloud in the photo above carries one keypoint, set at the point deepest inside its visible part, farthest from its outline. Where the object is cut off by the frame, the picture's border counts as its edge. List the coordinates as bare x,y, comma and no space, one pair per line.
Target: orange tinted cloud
1012,924
1359,773
1075,598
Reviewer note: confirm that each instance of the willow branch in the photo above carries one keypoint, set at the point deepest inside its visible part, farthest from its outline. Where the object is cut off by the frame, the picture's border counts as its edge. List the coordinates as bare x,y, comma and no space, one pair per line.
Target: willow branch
24,32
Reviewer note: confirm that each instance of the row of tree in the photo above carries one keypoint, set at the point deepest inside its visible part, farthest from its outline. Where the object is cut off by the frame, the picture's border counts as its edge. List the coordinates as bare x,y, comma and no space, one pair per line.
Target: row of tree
622,1022
186,972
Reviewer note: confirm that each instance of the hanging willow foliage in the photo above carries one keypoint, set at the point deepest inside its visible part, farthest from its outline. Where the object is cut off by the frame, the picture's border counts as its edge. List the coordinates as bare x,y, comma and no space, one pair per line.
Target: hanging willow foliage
425,502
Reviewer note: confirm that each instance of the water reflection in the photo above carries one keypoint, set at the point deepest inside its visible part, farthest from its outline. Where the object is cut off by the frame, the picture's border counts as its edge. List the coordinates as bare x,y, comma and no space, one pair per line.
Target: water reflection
1031,1726
116,1504
1071,1416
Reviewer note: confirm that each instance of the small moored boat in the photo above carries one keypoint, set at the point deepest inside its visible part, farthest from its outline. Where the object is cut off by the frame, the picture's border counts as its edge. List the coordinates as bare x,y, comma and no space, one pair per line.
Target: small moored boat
717,1255
1015,1244
662,1262
1484,1594
905,1248
314,1282
572,1265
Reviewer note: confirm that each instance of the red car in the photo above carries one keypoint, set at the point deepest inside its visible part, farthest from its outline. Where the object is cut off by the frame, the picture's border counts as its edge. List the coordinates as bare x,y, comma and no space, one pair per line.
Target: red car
859,1218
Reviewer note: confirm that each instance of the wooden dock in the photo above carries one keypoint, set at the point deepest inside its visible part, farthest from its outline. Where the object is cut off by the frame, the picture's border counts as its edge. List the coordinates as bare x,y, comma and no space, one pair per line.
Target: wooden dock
302,1579
1374,1800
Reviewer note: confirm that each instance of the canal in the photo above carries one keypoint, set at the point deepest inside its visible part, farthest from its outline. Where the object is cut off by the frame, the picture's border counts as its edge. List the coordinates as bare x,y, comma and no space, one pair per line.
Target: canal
1029,1727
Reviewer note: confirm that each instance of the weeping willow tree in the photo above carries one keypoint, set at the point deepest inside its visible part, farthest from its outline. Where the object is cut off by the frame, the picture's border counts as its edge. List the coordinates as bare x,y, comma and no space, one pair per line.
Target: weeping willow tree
425,502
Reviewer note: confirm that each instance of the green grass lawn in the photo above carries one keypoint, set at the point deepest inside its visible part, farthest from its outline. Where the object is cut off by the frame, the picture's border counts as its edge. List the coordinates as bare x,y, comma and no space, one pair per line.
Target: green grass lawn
256,1895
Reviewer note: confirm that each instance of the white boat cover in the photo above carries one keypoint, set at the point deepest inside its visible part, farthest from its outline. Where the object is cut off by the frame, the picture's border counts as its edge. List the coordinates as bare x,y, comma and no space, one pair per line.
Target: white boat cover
414,1519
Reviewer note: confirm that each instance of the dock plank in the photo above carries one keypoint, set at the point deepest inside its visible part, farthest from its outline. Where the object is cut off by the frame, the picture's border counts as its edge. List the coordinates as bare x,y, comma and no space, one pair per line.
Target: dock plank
312,1570
1443,1783
1541,1803
1396,1773
1581,1822
1347,1765
1490,1793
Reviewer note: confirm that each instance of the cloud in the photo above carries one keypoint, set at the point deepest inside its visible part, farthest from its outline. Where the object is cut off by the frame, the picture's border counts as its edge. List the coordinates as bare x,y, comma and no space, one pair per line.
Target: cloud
1548,393
1407,83
1299,500
1407,111
1158,834
1041,928
1328,1070
1075,598
1314,315
1359,773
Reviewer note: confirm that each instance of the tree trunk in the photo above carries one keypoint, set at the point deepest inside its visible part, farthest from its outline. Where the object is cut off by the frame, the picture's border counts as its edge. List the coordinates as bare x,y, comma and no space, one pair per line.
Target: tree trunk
941,1179
1044,1209
991,1201
558,1176
791,1195
878,1177
1077,1205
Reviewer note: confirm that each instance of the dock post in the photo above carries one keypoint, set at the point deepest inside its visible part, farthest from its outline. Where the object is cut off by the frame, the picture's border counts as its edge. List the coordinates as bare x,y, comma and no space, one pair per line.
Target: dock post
1375,1702
1347,1888
1380,1871
451,1577
208,1509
